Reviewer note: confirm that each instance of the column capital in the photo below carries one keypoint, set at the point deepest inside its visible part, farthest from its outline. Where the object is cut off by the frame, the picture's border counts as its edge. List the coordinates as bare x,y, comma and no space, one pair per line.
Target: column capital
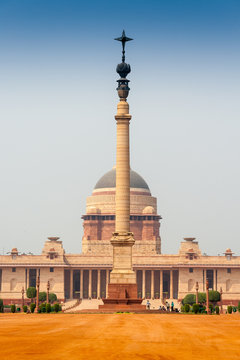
122,239
123,118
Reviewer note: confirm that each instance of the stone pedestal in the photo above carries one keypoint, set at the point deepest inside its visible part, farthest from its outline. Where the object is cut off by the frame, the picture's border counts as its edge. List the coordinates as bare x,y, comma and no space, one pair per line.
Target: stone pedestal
122,297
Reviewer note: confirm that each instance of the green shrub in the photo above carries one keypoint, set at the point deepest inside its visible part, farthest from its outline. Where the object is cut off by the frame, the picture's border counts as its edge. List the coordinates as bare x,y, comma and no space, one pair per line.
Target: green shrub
52,308
239,306
31,292
25,308
211,308
43,307
217,309
234,309
202,308
52,297
56,307
42,296
195,308
189,299
1,306
229,309
13,308
48,308
186,308
214,296
32,307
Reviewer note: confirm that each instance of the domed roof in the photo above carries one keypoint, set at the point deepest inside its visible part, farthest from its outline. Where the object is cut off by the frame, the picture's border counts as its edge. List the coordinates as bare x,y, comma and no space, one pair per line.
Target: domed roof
109,180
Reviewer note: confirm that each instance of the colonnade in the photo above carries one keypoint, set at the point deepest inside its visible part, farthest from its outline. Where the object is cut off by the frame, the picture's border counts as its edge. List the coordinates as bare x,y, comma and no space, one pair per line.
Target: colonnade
150,286
89,285
161,292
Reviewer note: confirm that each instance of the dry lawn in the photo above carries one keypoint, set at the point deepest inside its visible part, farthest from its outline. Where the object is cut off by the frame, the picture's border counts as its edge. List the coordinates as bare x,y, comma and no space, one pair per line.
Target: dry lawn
119,336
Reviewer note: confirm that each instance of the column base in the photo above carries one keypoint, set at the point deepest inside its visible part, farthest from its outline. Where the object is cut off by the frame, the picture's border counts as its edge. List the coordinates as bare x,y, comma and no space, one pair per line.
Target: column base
122,297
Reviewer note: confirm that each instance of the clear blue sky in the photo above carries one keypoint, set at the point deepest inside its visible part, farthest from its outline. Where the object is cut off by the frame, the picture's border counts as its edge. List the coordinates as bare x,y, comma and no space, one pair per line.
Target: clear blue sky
57,106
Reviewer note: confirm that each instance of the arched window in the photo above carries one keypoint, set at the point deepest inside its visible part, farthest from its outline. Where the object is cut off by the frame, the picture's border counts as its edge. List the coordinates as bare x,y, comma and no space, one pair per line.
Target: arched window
52,282
228,285
13,284
190,284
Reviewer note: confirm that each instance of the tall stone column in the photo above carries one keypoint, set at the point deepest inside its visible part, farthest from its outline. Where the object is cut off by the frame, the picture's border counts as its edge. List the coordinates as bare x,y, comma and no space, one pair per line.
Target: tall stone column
122,289
161,285
81,284
214,279
71,283
152,284
90,284
122,239
143,283
107,282
98,284
171,284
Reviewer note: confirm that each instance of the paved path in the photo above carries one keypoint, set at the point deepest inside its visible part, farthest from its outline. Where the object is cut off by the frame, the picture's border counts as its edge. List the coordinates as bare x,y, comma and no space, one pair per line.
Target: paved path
119,336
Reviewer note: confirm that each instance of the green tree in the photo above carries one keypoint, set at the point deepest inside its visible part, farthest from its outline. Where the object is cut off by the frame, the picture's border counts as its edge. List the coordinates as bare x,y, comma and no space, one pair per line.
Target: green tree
31,293
214,296
42,296
189,299
52,297
202,297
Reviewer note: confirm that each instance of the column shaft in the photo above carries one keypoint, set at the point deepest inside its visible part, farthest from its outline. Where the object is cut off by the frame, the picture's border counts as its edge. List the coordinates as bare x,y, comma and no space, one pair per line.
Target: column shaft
171,284
143,283
98,284
161,285
107,282
205,280
90,284
152,284
122,224
71,283
81,284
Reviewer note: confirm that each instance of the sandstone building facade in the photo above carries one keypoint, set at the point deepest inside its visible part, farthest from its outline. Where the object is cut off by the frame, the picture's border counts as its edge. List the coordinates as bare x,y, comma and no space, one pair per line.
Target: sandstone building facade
86,275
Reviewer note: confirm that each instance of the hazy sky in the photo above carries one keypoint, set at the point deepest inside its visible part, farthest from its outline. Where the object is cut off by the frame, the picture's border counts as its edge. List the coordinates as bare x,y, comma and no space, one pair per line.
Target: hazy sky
58,100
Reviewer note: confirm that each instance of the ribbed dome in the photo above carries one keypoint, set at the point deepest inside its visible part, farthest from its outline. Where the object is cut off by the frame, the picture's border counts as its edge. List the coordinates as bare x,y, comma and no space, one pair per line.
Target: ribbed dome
109,180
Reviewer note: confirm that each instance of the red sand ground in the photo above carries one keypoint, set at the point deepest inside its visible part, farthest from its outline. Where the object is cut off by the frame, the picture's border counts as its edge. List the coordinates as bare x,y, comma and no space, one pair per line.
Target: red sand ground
119,336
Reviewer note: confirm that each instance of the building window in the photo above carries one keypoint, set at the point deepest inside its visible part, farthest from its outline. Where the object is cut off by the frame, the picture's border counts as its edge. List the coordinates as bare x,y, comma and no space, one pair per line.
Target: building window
51,269
14,269
191,270
229,271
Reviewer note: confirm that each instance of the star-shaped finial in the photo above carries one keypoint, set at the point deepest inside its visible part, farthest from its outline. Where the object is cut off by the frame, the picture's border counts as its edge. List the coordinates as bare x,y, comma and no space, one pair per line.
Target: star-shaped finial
123,40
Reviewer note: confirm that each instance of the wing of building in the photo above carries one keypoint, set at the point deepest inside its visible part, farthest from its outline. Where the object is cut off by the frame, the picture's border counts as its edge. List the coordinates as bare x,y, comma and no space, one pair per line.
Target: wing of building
86,275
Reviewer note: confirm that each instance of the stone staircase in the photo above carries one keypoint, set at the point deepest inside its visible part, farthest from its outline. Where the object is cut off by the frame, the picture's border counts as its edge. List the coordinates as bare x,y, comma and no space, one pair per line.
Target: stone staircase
70,304
86,304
